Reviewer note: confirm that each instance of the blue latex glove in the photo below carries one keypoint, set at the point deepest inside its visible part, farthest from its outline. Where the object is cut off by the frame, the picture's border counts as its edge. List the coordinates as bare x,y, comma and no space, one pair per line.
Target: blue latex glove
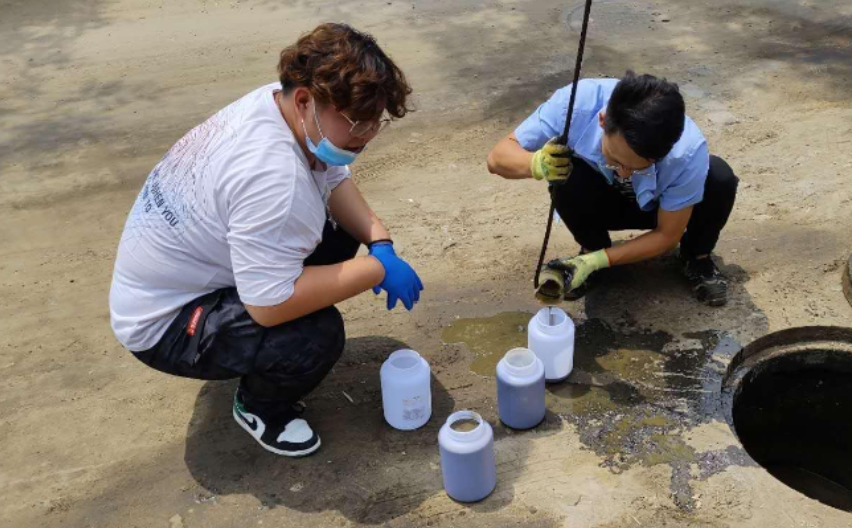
401,281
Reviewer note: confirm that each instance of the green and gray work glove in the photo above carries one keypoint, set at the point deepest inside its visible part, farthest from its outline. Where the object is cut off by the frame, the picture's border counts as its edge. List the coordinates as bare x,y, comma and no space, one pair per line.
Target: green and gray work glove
552,162
581,267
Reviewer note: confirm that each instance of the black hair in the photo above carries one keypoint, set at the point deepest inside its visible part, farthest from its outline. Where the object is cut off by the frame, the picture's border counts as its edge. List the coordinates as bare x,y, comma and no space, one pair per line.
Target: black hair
649,113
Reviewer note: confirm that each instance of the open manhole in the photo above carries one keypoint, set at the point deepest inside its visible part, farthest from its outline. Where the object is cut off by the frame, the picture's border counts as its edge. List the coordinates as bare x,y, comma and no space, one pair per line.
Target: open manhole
788,396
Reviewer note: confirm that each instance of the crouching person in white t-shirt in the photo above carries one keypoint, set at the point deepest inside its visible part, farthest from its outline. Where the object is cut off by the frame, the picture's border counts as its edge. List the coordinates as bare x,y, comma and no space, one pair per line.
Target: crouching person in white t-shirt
245,235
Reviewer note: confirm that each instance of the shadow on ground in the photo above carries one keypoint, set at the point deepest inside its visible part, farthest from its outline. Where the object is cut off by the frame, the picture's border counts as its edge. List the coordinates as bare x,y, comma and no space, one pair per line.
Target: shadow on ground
814,42
366,470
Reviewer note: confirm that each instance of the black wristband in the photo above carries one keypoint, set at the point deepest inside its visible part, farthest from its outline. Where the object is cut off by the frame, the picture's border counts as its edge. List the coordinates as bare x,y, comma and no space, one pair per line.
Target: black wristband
380,240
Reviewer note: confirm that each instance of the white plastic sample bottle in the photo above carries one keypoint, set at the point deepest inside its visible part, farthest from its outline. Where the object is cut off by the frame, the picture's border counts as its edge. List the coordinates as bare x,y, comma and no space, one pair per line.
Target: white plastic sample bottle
406,390
520,389
551,336
468,464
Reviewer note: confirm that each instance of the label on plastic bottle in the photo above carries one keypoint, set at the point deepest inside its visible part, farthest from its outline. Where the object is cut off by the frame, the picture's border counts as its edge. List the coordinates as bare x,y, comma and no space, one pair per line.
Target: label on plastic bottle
413,409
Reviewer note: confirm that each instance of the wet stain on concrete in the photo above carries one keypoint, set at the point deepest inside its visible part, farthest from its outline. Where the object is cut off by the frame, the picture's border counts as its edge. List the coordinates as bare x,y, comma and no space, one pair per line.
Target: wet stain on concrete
633,394
489,338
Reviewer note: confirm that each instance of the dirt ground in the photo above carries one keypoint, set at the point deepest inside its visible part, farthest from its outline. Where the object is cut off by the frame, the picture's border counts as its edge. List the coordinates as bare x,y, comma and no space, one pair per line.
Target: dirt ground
92,93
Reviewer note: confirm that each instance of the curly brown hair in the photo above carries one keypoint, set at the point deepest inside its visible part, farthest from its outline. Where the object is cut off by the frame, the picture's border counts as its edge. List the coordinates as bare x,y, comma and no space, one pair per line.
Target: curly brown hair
346,68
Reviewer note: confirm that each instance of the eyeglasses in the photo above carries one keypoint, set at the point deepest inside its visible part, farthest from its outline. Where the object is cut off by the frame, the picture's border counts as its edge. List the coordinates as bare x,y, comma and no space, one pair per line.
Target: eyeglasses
362,129
618,167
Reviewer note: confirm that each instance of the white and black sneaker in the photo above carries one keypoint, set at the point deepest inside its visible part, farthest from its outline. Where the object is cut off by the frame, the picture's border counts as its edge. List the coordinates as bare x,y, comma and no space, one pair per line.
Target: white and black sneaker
282,433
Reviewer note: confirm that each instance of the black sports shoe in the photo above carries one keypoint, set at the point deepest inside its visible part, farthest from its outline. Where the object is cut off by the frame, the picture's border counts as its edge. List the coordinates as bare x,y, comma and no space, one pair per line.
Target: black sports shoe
280,433
708,283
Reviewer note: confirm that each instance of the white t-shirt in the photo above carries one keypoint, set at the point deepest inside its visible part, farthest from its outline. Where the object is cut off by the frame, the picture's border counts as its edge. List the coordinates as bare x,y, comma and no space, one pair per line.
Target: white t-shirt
233,203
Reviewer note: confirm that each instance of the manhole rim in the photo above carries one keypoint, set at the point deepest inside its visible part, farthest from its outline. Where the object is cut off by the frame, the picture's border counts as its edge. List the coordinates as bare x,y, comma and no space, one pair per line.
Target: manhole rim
797,340
832,342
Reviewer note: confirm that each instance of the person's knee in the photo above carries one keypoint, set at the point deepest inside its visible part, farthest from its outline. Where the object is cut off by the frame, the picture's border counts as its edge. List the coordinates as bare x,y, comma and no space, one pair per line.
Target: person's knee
310,344
324,333
337,246
349,246
573,205
329,325
721,179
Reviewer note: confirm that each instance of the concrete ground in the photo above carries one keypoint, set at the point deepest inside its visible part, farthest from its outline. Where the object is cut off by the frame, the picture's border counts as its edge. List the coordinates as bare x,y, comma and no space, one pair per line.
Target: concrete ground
93,92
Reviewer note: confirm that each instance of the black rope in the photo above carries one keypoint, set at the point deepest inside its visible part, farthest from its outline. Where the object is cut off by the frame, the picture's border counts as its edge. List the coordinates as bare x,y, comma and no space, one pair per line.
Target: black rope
563,139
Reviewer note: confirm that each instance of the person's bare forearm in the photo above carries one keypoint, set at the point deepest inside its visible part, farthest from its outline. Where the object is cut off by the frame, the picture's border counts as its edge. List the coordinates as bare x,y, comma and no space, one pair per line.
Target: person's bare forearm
644,247
356,216
321,286
509,159
670,228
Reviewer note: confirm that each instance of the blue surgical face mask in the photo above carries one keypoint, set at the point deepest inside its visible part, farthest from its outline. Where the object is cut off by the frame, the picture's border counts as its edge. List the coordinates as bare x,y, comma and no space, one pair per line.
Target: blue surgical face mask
326,151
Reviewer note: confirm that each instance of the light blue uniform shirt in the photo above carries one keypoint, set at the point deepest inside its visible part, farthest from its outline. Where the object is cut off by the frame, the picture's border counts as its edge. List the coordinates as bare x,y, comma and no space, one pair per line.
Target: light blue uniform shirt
675,182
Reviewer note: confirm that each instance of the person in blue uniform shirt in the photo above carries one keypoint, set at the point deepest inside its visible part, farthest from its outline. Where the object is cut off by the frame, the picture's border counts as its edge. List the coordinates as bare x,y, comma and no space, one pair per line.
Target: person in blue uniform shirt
634,160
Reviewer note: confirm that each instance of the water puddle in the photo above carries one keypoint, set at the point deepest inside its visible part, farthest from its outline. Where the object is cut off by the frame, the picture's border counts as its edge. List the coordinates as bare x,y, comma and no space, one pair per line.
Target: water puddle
489,338
579,400
633,392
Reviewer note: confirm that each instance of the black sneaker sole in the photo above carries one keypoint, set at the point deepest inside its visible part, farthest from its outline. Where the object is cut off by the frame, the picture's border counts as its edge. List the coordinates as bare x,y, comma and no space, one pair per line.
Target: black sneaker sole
282,452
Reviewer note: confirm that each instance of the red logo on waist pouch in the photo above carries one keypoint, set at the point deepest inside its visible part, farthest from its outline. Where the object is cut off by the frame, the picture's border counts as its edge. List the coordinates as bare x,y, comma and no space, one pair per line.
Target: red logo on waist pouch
193,321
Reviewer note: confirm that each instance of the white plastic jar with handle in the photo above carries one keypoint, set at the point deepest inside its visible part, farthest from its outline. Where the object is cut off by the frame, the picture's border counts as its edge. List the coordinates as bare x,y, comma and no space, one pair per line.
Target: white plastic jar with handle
406,390
551,337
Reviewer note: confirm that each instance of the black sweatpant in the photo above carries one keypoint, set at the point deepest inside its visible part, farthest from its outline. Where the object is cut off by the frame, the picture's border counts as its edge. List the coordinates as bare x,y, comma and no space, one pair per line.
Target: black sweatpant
590,208
215,338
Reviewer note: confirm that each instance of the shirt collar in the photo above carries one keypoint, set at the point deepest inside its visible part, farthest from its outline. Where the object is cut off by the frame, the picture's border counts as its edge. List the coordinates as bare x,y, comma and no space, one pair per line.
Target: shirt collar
588,147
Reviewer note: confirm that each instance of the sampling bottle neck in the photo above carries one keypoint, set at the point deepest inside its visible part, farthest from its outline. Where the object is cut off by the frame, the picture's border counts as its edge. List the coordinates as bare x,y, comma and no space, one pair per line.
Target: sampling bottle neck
466,436
520,362
405,363
552,321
